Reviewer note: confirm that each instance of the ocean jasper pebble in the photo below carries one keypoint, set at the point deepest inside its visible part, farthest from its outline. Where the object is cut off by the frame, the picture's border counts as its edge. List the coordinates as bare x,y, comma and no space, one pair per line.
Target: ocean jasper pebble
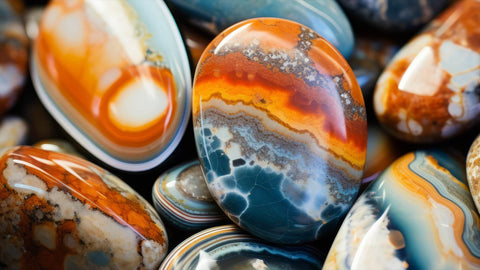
394,15
228,247
115,75
13,56
61,212
280,127
418,214
473,171
429,91
325,17
181,196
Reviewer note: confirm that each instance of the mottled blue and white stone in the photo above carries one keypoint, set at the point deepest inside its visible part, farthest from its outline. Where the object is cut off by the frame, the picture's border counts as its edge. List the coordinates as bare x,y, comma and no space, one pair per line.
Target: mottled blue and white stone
418,215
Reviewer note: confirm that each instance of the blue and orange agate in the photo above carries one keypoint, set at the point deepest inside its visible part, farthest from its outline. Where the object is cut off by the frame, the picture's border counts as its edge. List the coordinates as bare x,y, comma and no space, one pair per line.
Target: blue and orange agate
280,126
418,215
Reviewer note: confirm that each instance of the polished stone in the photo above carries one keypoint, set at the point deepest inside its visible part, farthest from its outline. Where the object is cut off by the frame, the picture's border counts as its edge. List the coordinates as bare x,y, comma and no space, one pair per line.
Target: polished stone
62,212
473,171
13,56
394,15
228,247
280,126
181,197
430,90
115,75
417,215
325,17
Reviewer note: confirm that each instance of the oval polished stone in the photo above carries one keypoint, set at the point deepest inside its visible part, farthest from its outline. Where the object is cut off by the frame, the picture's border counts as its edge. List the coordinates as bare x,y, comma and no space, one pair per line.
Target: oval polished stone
115,75
418,215
227,247
13,131
394,15
429,91
325,16
473,171
62,212
181,197
13,56
275,108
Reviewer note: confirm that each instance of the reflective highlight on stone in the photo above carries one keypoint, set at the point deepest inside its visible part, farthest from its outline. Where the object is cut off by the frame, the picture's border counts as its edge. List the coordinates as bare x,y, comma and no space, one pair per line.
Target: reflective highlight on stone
473,171
57,145
227,247
61,212
181,196
394,15
13,131
324,17
273,129
429,91
13,56
115,75
418,215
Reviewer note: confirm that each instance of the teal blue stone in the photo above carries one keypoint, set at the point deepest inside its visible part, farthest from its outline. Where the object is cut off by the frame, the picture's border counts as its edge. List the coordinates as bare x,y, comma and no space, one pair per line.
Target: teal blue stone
394,15
418,213
325,16
99,258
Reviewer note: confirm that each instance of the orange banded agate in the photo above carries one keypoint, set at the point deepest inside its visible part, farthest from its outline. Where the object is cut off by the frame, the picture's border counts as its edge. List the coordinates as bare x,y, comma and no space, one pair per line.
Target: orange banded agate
280,126
107,74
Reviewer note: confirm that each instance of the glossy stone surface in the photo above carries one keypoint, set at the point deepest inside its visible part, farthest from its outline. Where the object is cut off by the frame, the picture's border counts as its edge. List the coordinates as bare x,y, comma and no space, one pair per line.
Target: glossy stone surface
325,17
473,171
227,247
115,75
61,212
57,145
181,197
394,15
382,150
273,129
13,131
418,215
13,56
429,91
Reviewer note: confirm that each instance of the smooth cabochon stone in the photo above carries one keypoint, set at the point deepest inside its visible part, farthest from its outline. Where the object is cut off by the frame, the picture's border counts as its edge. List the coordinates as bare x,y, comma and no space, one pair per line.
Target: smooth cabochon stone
429,91
280,127
13,56
62,212
325,16
418,215
394,15
473,171
228,247
115,75
13,131
181,197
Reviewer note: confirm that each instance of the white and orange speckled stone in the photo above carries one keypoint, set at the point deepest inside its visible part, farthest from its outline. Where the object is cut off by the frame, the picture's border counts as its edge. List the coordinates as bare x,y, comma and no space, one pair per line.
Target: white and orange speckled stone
61,212
473,171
